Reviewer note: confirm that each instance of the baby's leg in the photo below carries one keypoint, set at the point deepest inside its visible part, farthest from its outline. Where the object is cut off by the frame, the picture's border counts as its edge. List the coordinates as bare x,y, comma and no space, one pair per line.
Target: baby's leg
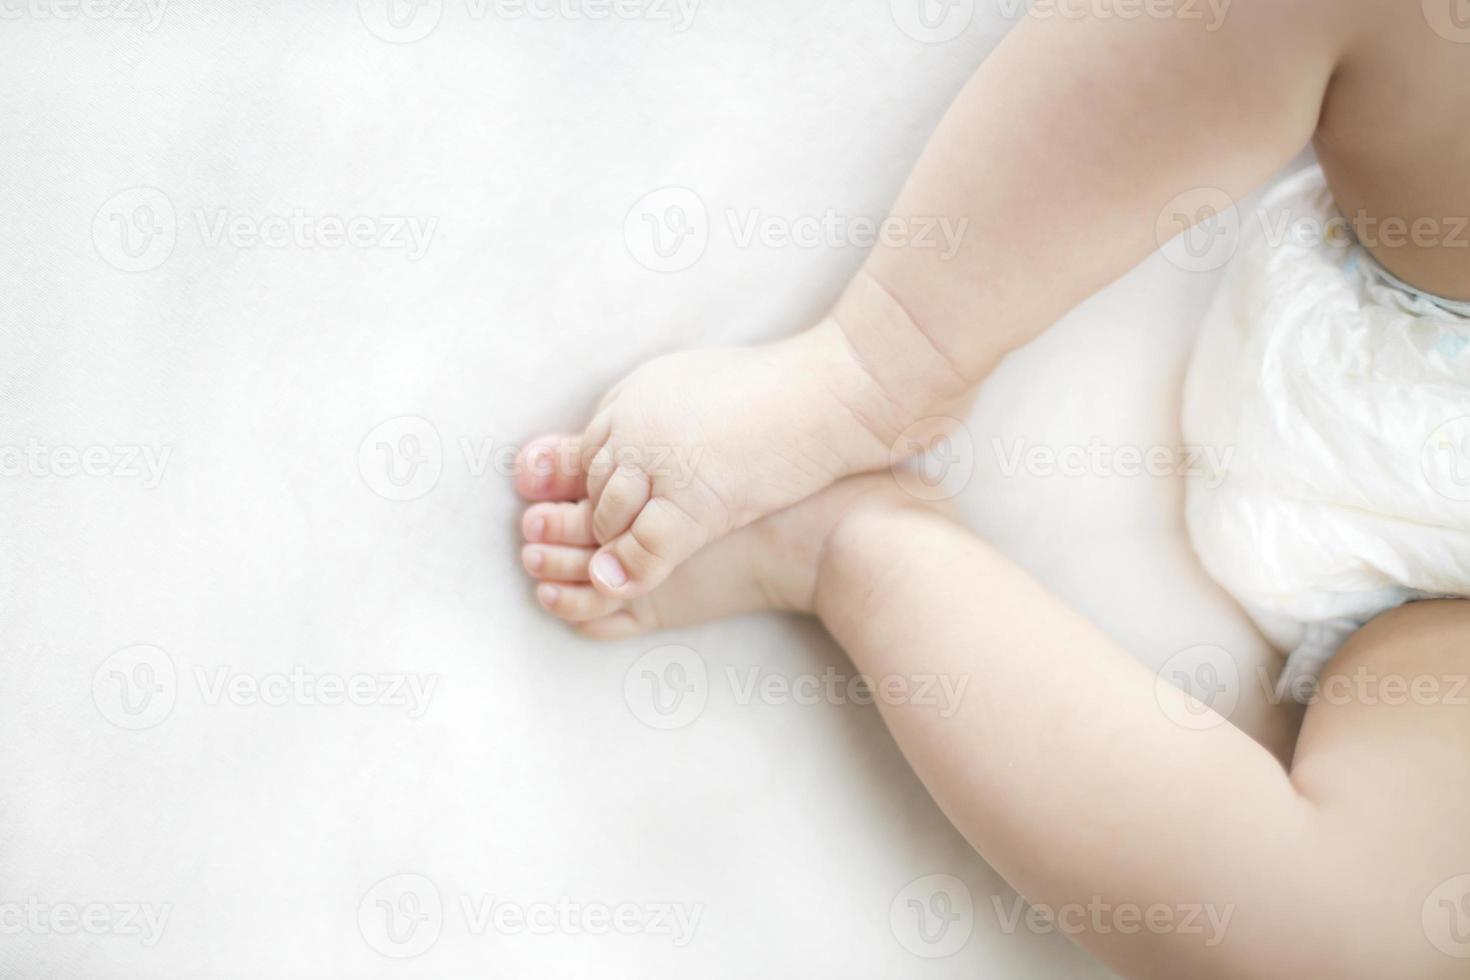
770,565
1064,769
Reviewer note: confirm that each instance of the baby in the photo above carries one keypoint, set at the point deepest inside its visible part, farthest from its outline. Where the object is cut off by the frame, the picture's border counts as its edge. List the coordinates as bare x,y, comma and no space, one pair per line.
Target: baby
1335,366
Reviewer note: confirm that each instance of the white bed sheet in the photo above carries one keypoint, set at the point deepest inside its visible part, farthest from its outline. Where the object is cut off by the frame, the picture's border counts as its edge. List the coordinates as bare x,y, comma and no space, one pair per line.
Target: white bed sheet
265,373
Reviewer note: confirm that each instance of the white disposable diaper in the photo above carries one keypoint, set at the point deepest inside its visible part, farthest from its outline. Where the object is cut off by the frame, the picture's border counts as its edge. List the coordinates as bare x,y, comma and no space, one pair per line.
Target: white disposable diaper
1336,402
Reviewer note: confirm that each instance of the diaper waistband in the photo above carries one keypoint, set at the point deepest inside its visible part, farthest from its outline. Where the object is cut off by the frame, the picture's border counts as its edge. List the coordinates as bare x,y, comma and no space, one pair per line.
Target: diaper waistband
1306,192
1459,307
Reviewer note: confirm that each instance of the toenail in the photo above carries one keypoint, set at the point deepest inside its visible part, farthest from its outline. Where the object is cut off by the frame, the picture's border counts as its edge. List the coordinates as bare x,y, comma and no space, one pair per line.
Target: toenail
534,559
541,466
609,570
548,594
536,528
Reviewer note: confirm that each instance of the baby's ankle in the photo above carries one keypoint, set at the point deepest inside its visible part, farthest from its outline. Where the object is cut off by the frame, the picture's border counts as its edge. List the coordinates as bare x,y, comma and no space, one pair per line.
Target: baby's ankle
785,552
861,550
851,417
906,378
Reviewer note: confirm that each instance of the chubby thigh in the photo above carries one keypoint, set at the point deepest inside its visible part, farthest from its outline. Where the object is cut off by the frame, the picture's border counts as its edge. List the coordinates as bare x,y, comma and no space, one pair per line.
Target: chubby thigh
1384,755
1067,770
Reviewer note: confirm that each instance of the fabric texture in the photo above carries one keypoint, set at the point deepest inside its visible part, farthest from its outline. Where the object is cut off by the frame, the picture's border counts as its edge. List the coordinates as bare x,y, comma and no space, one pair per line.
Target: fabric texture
304,434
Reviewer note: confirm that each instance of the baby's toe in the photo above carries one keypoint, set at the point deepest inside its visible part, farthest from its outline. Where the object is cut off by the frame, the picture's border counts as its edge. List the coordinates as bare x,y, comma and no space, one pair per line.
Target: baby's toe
635,563
550,468
559,523
625,494
620,625
575,603
557,563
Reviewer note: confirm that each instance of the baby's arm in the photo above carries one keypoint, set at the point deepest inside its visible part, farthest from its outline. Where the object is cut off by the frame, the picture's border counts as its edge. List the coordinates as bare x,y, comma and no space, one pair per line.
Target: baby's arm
1061,158
1064,154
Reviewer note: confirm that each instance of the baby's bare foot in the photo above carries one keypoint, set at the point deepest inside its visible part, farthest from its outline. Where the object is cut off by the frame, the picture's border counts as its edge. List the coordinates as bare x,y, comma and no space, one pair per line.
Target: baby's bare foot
772,564
693,446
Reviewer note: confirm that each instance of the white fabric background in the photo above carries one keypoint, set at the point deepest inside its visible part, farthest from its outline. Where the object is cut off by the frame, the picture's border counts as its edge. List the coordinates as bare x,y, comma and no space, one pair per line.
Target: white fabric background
263,370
